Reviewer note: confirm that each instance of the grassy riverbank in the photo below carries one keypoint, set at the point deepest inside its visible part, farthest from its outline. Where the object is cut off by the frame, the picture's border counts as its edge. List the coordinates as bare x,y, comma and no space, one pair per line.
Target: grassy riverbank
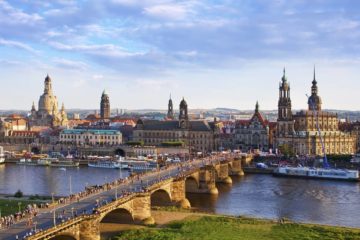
12,205
203,227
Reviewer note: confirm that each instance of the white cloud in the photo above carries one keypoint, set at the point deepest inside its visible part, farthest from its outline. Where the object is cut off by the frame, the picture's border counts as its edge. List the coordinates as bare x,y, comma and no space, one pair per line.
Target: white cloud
19,45
11,15
168,11
69,64
99,50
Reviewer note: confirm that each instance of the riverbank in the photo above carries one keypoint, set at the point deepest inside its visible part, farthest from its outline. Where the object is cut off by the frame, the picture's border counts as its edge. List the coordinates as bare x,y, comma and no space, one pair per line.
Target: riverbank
189,225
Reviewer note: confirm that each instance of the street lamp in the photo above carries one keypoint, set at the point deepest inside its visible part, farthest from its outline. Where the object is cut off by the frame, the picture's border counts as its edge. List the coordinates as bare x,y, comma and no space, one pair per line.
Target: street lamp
52,197
72,212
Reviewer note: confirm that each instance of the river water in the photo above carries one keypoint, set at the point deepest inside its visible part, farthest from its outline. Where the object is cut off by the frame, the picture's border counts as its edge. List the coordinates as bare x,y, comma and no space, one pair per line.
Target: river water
317,201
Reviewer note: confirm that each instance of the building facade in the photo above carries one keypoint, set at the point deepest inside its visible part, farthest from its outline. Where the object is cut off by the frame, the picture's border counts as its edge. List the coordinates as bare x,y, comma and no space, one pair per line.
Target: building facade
48,113
197,135
300,131
253,133
90,137
105,106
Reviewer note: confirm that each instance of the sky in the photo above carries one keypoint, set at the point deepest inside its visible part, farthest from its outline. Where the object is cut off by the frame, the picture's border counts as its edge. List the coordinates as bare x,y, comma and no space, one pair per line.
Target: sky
214,53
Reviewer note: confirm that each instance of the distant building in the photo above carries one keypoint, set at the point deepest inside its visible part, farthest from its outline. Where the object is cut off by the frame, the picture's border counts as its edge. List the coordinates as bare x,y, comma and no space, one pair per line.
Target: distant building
300,131
105,106
48,113
90,137
253,133
198,135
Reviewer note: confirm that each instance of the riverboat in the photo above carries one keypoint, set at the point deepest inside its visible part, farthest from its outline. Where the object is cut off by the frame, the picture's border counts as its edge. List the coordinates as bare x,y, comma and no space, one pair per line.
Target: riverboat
142,166
2,156
105,164
64,163
317,173
33,162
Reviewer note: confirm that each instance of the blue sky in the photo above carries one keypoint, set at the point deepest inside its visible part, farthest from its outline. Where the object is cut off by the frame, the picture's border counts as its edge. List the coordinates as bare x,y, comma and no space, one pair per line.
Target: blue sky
215,53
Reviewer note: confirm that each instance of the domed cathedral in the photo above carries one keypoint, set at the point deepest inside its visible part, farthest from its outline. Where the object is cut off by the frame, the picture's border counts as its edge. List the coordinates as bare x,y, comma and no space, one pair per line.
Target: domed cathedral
105,106
48,114
304,139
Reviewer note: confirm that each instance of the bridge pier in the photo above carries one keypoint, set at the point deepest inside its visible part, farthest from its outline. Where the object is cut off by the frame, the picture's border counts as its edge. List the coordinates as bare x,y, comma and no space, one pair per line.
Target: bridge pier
141,206
222,171
207,180
178,194
89,230
236,169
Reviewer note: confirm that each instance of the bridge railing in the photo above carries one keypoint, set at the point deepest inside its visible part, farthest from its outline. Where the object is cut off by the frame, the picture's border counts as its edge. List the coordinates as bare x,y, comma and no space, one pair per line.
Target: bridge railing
44,234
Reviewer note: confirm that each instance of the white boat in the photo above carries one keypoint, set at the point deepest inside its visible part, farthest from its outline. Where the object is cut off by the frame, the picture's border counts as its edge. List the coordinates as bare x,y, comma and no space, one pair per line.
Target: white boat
355,158
2,156
63,163
105,164
317,173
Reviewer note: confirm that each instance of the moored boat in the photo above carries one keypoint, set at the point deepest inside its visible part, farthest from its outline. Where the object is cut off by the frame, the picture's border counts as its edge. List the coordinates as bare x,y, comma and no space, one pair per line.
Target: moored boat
64,163
317,173
104,164
2,156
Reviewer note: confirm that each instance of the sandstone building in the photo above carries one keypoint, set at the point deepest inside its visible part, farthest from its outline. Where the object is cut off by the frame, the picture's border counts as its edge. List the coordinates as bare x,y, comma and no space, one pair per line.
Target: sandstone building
300,131
48,113
198,135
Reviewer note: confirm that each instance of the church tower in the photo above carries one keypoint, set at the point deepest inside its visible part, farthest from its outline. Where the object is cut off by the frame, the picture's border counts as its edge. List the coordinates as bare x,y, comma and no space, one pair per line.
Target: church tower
170,113
183,115
314,100
285,119
105,106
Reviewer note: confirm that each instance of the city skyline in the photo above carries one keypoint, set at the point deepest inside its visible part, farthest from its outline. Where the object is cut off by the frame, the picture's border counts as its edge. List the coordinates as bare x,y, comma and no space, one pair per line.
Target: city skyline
140,51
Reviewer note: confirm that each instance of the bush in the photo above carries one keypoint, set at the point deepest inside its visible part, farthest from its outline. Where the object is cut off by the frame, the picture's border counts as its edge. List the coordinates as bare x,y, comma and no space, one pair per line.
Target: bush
19,194
135,143
172,144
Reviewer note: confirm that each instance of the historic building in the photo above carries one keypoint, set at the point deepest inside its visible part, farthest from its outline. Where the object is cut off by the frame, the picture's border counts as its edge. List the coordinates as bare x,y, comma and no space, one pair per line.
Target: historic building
198,135
253,133
48,113
90,137
300,131
170,113
105,106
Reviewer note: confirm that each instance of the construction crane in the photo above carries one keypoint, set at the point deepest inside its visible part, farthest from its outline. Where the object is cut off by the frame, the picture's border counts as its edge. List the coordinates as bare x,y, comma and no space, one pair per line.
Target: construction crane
325,161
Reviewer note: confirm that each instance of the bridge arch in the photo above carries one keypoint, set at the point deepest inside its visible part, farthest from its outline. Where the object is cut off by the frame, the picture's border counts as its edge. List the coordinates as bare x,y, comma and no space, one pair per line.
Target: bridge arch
63,237
160,197
35,150
191,184
120,152
119,215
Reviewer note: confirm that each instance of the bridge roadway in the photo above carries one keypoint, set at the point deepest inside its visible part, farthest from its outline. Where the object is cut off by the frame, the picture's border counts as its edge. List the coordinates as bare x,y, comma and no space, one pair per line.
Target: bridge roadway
45,218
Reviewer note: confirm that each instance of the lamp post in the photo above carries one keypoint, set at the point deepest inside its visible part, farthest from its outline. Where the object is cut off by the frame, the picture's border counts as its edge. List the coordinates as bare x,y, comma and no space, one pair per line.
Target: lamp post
72,212
52,197
54,218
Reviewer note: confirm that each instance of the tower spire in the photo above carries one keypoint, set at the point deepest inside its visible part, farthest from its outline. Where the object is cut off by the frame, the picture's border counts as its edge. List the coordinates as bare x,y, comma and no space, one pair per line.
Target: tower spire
314,80
257,107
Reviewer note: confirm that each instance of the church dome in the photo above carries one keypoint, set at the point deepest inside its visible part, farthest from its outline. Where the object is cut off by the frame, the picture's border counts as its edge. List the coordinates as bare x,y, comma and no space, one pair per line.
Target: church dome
314,100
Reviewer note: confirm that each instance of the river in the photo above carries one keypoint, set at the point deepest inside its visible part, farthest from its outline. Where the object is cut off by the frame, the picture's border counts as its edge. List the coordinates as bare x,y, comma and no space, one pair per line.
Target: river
317,201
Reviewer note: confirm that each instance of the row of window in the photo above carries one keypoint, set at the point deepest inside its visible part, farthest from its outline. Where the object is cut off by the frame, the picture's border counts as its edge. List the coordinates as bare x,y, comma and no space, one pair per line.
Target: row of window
88,137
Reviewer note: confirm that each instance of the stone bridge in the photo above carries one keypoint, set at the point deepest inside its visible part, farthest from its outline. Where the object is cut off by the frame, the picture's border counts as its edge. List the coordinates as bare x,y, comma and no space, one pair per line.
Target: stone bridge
136,207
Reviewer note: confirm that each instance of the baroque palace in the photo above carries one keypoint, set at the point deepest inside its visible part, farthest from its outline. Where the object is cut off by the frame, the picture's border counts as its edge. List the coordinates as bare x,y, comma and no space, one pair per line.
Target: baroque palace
300,131
198,135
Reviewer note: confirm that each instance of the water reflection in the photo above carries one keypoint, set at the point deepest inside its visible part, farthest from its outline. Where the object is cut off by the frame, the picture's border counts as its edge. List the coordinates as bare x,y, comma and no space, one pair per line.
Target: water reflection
46,180
326,202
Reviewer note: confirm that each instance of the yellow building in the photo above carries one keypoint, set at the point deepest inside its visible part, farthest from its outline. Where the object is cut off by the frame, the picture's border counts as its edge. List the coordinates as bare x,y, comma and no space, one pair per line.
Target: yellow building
303,134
